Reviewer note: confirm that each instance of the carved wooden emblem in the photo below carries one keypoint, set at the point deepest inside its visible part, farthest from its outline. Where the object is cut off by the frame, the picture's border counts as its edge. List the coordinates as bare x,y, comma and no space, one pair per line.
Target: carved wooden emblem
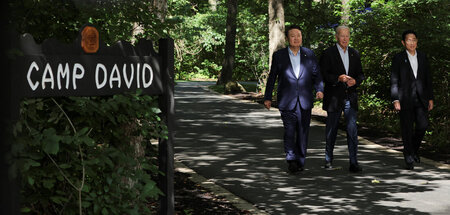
89,39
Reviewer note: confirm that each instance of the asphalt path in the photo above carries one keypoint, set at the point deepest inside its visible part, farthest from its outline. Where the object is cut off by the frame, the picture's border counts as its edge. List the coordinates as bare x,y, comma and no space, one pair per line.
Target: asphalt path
238,145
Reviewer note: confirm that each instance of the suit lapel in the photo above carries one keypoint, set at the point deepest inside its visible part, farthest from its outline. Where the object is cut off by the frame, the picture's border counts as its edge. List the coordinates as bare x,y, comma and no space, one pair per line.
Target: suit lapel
290,68
419,64
408,65
339,59
351,55
302,62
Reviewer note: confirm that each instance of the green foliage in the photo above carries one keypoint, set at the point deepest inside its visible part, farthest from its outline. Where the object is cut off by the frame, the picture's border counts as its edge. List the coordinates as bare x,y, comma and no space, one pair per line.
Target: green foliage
317,20
377,35
199,39
87,155
63,19
86,150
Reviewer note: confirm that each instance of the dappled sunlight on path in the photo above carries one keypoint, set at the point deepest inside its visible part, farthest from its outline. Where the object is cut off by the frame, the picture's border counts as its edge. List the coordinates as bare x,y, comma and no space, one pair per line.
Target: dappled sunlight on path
238,145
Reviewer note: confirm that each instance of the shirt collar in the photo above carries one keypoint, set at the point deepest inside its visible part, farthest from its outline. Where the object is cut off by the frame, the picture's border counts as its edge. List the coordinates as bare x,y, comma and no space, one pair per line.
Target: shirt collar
340,48
292,53
407,52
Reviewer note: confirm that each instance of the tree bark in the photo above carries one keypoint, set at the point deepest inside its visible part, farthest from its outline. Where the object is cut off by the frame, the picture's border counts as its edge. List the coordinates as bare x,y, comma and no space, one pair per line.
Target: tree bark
212,5
160,8
230,44
276,27
345,12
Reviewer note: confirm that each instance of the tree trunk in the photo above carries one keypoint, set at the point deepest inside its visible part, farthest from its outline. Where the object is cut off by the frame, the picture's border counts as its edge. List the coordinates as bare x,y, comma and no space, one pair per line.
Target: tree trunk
345,12
160,8
276,27
230,44
212,5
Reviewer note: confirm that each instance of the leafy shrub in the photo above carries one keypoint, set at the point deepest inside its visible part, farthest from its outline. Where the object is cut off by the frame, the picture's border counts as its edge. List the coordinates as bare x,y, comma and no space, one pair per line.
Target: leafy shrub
90,155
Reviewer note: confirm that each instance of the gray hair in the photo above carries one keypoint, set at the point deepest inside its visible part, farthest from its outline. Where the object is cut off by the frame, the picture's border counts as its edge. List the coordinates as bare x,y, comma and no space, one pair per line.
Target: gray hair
341,27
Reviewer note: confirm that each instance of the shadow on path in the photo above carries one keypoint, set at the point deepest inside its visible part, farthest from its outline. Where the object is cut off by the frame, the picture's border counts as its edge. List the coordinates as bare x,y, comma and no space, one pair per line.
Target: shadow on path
238,145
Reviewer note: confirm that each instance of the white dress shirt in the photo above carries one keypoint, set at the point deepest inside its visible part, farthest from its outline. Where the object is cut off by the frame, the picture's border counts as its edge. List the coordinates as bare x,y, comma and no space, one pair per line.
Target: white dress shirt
344,57
413,61
295,62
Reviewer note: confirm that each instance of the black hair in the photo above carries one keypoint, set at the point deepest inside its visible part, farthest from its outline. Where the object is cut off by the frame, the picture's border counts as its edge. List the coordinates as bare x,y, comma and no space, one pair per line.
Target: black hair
408,32
290,28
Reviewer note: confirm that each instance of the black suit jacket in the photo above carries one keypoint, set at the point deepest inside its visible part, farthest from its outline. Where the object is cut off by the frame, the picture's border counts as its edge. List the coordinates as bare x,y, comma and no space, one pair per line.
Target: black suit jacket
332,67
402,78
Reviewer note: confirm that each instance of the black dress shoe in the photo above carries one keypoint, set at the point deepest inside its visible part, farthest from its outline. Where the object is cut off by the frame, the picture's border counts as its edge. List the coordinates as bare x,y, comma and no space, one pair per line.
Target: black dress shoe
355,168
409,166
416,158
293,166
328,165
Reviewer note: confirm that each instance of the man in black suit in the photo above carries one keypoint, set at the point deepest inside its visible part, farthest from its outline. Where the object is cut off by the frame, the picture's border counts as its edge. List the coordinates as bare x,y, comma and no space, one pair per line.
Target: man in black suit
296,69
412,95
342,73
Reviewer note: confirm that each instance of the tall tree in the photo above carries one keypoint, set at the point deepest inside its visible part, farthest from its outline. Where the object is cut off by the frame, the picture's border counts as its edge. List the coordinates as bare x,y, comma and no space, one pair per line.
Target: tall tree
276,27
160,8
230,44
345,11
212,5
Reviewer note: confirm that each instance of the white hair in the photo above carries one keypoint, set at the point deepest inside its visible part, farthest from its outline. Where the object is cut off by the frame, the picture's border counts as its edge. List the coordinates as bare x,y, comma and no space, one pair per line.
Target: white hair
341,27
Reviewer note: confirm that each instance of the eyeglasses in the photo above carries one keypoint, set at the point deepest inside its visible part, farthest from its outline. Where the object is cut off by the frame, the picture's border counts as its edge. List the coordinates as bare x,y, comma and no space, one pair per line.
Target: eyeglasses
411,41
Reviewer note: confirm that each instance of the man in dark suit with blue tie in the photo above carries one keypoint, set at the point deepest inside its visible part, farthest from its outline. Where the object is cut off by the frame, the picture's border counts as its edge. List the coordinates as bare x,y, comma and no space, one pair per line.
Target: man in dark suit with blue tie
342,73
297,72
412,95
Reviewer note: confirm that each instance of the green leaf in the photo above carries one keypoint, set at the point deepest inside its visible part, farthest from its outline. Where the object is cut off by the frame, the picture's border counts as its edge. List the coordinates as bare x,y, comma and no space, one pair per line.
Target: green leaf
25,210
65,166
49,183
30,180
104,211
50,141
86,188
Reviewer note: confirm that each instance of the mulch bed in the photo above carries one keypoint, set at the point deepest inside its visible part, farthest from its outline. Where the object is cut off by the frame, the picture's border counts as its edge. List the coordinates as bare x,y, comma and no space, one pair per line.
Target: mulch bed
192,198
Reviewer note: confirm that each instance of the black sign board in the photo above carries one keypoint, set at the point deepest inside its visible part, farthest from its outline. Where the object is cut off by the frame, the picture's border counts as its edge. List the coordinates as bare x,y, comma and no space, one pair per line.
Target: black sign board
88,67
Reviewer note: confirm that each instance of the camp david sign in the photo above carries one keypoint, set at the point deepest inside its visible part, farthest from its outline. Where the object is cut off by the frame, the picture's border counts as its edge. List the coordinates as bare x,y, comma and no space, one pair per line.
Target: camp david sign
56,69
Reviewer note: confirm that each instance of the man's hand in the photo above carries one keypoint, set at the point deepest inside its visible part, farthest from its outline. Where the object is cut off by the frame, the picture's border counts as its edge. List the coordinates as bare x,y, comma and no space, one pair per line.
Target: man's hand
343,78
397,105
267,104
430,105
319,95
351,81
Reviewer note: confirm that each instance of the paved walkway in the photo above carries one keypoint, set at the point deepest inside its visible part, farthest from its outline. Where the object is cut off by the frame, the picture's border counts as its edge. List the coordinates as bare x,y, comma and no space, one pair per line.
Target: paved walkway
238,146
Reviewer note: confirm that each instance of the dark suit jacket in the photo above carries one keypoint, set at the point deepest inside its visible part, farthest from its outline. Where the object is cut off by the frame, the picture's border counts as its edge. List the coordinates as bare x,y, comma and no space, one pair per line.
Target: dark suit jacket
290,89
402,77
332,67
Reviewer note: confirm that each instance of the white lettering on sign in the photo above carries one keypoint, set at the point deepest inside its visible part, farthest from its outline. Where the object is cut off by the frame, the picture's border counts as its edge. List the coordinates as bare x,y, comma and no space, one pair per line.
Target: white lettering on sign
103,68
47,72
63,73
125,76
147,84
76,76
36,84
115,76
137,74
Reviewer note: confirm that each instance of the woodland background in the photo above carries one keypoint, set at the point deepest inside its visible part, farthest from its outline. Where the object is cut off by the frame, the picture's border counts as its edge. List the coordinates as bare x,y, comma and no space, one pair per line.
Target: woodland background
101,147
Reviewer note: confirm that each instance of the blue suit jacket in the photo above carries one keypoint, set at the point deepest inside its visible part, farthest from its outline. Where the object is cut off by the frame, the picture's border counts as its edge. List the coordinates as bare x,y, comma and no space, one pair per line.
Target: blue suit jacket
290,89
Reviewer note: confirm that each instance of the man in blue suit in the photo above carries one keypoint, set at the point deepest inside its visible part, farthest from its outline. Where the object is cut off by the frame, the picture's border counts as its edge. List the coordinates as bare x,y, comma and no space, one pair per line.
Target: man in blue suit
297,71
